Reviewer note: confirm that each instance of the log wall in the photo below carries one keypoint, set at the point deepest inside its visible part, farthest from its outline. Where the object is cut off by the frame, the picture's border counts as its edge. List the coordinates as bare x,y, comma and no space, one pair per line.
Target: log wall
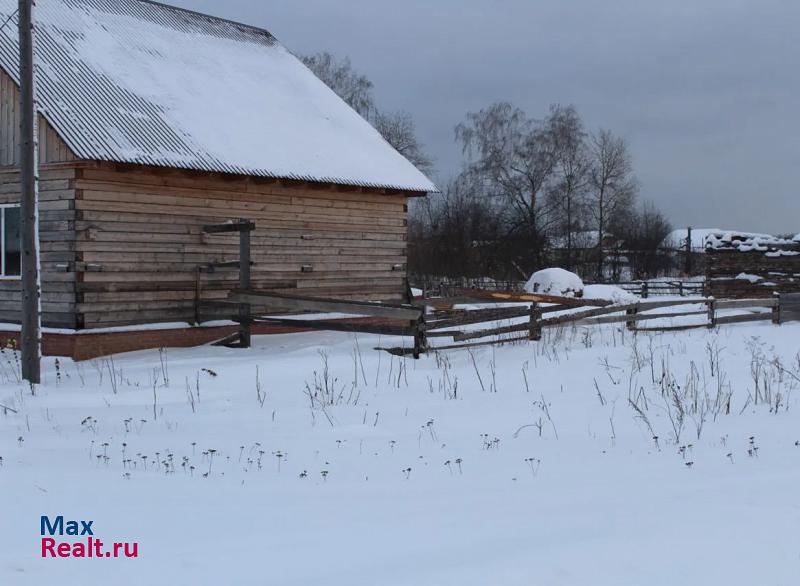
57,213
57,237
779,274
139,242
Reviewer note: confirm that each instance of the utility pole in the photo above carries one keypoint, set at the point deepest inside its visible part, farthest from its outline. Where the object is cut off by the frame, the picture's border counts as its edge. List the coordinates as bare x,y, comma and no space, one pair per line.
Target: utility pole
689,249
29,204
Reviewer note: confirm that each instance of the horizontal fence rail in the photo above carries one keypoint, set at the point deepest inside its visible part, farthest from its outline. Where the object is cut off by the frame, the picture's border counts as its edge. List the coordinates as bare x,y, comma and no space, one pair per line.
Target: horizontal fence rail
529,314
445,322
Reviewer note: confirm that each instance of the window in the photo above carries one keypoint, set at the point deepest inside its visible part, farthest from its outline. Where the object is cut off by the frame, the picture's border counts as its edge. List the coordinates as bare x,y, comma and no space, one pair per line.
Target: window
10,257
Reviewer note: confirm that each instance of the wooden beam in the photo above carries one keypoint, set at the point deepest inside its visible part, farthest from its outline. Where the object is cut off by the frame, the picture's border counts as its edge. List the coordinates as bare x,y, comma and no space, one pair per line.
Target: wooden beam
244,280
240,226
404,312
338,326
738,319
511,297
31,334
610,319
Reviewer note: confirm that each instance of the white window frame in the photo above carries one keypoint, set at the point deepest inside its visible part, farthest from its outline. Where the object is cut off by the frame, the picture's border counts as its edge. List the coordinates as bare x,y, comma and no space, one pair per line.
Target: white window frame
3,276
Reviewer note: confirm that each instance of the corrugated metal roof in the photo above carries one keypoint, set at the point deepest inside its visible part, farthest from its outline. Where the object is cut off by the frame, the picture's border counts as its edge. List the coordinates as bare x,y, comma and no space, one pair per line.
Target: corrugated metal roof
140,82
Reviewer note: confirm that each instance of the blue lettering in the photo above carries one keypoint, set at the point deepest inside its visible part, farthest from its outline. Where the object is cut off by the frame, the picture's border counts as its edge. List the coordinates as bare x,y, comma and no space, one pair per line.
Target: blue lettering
52,529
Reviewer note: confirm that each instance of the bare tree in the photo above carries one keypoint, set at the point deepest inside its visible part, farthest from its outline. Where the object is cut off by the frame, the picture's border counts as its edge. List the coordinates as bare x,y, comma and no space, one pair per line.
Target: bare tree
456,233
612,186
564,128
399,131
644,232
514,158
338,74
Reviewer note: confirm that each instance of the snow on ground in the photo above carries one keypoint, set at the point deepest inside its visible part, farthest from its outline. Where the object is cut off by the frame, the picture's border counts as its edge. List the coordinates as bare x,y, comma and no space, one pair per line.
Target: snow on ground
610,293
533,463
749,277
555,281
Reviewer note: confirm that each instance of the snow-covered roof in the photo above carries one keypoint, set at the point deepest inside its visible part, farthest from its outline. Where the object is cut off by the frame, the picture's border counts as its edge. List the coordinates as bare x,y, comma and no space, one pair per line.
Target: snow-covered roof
134,81
748,242
677,238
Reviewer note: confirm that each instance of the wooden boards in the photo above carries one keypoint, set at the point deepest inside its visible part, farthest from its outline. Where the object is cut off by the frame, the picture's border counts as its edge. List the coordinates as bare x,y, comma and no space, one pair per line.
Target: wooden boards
57,247
141,230
52,149
124,243
296,303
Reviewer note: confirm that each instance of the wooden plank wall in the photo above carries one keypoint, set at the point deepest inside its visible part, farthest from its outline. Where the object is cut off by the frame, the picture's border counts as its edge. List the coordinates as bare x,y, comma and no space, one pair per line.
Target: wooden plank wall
51,148
57,236
140,241
778,273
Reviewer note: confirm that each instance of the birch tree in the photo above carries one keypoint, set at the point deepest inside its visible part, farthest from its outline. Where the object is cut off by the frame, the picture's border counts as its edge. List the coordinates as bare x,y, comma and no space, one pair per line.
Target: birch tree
514,157
566,133
612,185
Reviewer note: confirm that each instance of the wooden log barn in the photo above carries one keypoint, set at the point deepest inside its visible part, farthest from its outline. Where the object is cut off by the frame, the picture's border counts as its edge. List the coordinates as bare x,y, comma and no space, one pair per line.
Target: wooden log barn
155,122
747,265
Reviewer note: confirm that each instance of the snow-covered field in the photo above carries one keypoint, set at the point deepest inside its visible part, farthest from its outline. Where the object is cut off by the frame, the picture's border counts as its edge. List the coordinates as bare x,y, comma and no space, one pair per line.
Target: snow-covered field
593,457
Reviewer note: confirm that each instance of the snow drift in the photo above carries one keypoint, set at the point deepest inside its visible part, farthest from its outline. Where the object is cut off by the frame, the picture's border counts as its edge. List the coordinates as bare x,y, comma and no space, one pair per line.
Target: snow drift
555,281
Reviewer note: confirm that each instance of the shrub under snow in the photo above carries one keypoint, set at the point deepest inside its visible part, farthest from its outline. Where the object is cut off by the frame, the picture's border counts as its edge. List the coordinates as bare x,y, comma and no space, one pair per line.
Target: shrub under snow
555,281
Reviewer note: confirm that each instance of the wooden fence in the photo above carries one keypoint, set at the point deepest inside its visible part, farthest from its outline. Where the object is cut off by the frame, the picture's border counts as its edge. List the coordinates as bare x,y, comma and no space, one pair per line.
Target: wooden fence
529,315
647,289
644,289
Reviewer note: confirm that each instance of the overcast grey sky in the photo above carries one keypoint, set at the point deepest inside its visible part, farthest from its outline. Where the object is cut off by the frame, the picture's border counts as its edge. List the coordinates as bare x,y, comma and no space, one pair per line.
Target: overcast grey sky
705,91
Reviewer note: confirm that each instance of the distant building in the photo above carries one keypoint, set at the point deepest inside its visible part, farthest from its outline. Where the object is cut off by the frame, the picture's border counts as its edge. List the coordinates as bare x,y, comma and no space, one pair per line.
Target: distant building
744,264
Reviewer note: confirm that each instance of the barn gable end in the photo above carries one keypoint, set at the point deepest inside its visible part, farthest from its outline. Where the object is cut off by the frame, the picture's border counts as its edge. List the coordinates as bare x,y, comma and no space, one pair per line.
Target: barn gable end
52,149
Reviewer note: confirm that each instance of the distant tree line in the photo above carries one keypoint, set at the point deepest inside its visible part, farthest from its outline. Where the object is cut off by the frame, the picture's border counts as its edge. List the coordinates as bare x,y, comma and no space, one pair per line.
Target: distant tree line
532,193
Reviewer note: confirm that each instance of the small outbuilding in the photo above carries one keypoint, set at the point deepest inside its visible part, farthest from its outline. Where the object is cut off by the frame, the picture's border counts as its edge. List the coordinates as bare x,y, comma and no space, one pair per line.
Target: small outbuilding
746,265
155,121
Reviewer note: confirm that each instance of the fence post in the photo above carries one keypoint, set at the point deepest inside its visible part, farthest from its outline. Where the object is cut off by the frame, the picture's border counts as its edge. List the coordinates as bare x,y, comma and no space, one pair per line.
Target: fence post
688,267
680,288
631,324
198,293
535,323
712,313
645,290
420,339
244,283
776,309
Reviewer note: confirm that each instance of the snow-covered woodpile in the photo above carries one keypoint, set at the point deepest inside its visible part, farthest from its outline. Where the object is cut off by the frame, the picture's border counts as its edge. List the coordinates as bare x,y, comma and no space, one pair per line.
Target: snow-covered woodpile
156,121
751,265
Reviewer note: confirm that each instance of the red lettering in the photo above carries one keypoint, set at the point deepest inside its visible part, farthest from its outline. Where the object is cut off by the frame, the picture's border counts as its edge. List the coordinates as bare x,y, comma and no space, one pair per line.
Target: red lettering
134,552
97,545
48,543
64,550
